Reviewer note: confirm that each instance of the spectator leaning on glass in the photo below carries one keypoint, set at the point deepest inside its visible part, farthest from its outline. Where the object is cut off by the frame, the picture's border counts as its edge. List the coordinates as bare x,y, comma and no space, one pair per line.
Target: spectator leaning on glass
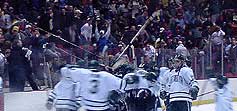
217,36
217,40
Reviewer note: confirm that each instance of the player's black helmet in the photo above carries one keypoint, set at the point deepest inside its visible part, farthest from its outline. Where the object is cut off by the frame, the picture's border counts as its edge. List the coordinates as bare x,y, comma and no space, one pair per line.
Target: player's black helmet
151,76
179,57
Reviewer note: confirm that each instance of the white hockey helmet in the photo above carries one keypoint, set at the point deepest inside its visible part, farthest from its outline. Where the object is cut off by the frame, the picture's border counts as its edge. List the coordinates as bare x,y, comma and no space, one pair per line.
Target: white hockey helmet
65,73
141,72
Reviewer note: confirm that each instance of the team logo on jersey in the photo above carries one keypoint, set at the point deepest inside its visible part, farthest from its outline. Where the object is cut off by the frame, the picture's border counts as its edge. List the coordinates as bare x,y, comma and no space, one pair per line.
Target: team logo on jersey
177,78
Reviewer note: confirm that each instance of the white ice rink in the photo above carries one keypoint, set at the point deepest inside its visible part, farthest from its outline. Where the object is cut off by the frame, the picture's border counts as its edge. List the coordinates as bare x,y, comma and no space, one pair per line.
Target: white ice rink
29,101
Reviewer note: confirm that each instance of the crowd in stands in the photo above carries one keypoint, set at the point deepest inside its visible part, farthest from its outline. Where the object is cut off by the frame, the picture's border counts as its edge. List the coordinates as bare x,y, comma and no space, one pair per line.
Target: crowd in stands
104,25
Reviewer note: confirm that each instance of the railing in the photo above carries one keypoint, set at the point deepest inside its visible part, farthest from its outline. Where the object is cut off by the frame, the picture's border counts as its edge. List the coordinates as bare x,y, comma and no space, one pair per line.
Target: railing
204,62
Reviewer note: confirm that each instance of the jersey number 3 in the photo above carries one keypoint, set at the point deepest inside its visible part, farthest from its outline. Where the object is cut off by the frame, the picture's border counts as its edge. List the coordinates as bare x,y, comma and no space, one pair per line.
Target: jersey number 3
94,86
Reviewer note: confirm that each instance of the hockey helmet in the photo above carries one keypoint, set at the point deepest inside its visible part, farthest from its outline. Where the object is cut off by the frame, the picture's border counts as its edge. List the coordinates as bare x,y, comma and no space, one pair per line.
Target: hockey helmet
93,65
221,81
65,73
141,72
179,61
151,76
179,57
132,79
81,63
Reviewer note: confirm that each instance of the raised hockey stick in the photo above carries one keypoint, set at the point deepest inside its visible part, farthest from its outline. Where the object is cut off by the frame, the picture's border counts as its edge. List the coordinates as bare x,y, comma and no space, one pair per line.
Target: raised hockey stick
137,34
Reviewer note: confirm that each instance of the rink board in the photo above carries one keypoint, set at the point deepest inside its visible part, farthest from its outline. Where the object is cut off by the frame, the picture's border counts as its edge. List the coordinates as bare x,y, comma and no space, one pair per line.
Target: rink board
35,101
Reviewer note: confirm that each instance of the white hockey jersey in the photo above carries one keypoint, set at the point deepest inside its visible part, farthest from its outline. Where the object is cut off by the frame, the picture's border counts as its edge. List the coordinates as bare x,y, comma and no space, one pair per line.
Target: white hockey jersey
95,88
63,95
65,91
78,75
179,84
163,78
223,97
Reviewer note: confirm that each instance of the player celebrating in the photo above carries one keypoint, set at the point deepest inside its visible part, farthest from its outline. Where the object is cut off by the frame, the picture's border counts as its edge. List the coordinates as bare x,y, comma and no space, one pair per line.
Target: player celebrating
95,87
140,91
63,95
224,95
163,80
153,85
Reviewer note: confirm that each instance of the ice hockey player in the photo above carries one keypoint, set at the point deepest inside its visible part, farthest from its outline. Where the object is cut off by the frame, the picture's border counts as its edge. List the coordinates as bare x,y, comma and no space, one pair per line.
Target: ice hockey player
134,80
95,87
163,78
182,86
154,86
63,95
138,95
224,95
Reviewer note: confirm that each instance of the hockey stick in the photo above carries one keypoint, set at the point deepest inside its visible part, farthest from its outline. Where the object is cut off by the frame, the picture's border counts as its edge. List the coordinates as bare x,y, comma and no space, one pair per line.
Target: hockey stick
72,44
203,94
141,29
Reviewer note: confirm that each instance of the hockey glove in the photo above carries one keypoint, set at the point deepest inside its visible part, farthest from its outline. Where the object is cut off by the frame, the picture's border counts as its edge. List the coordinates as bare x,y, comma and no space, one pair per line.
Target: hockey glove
194,92
49,105
163,95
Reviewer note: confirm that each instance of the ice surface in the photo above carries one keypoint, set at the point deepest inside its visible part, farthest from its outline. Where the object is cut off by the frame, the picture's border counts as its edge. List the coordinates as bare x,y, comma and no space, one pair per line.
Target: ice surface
28,101
209,107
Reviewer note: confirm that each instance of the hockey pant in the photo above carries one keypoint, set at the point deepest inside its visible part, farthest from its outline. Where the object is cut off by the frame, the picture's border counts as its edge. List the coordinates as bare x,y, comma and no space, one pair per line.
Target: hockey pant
179,106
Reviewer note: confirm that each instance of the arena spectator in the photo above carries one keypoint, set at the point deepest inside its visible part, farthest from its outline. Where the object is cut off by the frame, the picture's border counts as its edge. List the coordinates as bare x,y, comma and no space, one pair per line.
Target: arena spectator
149,51
103,38
231,51
20,70
73,20
86,30
14,33
5,20
2,38
182,50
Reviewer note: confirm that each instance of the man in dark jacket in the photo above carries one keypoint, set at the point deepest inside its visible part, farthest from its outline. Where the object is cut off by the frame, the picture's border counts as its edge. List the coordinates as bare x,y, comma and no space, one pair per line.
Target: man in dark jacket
19,67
